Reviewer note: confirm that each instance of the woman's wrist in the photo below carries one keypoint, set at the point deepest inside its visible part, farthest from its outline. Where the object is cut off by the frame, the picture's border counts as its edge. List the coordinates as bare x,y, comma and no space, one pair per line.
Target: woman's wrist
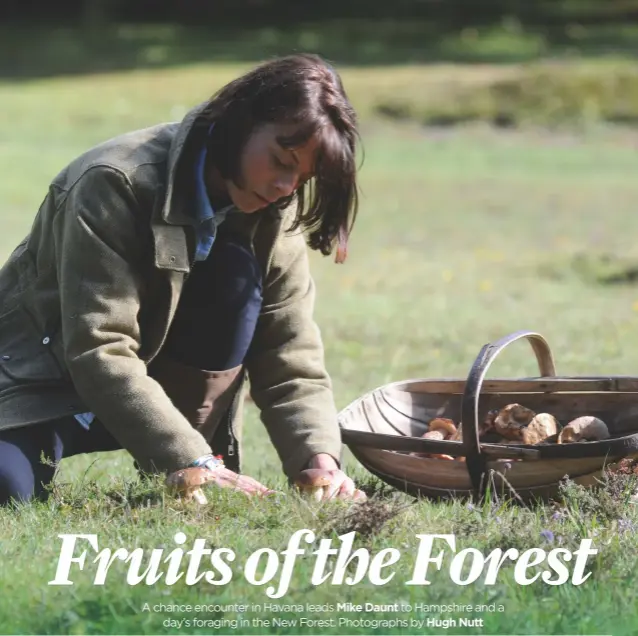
209,461
323,461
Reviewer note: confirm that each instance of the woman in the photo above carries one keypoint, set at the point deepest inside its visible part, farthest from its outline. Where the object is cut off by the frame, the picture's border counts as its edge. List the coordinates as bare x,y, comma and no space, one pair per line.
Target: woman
166,264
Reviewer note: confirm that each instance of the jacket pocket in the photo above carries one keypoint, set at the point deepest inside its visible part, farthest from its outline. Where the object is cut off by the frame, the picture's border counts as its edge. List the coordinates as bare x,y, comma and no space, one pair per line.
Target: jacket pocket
25,353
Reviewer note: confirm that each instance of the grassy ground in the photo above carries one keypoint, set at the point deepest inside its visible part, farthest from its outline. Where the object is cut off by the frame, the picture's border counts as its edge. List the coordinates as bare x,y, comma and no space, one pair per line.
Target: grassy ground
464,236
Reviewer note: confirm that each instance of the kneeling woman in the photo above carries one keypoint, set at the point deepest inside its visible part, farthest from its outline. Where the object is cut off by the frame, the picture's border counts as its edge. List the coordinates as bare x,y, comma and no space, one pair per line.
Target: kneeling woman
168,265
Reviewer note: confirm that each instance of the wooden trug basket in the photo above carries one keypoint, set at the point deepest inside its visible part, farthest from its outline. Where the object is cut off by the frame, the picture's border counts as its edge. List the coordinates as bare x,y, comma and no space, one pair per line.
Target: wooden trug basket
382,427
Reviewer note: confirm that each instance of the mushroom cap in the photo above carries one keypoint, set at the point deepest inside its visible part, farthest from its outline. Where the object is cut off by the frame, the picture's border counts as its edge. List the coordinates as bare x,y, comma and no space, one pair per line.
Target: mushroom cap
443,424
437,434
542,426
313,478
188,478
586,427
487,424
511,419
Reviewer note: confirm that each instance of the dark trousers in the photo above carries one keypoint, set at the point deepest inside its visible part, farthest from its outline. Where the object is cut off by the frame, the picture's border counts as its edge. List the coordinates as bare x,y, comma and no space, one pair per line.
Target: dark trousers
213,328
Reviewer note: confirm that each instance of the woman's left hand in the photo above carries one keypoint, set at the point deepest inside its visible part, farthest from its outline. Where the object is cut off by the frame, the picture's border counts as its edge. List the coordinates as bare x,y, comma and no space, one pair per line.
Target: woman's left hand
323,479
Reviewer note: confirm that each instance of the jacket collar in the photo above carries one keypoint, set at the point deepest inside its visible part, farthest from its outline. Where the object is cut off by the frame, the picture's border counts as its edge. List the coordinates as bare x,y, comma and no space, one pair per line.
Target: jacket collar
174,210
172,215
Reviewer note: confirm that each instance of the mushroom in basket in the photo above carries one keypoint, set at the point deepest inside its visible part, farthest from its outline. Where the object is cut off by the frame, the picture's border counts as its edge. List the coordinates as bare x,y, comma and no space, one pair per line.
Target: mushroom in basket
584,429
440,428
511,420
542,428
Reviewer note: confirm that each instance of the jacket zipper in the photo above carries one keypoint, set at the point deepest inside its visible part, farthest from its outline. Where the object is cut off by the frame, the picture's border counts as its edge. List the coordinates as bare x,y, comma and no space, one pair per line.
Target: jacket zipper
165,336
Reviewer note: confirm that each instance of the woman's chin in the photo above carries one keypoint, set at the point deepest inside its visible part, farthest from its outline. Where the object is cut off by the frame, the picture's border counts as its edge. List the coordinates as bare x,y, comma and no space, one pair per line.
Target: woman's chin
248,203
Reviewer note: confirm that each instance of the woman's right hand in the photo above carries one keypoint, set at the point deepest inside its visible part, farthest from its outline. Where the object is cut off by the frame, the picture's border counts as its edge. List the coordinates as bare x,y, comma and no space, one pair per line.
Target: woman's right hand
226,478
187,482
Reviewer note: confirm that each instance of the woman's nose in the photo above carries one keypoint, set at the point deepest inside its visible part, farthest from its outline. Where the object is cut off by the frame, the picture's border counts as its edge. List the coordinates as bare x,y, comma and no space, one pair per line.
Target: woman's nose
285,185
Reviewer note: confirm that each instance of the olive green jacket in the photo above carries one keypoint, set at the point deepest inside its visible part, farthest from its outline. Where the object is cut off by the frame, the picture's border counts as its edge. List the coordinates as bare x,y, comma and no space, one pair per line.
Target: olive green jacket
87,298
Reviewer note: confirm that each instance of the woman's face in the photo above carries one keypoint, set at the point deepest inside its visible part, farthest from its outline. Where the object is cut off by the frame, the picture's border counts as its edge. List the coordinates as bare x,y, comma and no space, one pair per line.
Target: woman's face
269,172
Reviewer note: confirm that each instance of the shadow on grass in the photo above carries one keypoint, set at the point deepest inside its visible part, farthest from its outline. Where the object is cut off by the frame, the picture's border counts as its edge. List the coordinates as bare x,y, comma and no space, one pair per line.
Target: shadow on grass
44,51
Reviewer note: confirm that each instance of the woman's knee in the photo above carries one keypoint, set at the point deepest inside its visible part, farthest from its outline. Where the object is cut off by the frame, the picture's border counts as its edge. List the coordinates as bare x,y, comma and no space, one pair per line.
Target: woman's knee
22,475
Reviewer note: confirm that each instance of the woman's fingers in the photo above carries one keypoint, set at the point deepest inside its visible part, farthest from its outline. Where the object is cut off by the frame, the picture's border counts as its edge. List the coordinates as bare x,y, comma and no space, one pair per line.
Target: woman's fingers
359,495
338,486
346,489
229,479
338,480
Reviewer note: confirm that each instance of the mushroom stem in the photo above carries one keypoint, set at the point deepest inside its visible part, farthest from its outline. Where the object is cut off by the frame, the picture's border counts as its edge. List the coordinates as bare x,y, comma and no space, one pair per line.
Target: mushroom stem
199,496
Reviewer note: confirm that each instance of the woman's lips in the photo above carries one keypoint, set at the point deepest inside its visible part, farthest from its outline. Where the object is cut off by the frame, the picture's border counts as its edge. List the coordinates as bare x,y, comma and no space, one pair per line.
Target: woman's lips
262,199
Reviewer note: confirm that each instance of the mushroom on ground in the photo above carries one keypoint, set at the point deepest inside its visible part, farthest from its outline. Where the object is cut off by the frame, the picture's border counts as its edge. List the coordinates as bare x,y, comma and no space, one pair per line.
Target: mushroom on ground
317,482
188,482
542,427
582,429
511,420
313,482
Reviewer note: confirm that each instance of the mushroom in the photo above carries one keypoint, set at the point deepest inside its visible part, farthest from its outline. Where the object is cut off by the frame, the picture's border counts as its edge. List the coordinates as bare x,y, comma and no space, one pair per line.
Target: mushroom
487,424
437,434
485,427
316,482
313,482
511,419
582,429
188,482
440,428
443,424
542,427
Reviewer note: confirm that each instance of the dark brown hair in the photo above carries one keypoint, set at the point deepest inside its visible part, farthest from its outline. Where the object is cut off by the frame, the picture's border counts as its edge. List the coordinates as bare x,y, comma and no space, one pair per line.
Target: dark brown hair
305,90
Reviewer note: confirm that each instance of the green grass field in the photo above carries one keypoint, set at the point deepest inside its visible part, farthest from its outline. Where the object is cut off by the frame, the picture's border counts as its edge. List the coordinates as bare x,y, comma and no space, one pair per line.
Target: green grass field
464,235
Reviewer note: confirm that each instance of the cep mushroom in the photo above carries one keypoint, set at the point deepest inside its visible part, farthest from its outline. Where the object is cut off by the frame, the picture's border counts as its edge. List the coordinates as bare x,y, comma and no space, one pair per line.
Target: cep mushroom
511,419
313,482
584,429
437,435
443,424
487,424
542,427
440,428
188,482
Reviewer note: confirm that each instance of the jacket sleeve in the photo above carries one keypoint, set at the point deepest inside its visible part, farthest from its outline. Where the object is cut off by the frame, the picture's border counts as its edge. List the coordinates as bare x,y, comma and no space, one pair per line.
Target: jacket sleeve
100,274
288,379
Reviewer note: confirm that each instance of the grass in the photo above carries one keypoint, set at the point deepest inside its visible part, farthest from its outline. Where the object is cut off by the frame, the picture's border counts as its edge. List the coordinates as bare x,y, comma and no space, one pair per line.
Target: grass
464,235
554,94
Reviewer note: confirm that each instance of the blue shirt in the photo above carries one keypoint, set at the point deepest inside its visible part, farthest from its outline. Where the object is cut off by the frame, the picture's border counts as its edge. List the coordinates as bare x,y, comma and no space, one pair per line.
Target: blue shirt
209,219
206,231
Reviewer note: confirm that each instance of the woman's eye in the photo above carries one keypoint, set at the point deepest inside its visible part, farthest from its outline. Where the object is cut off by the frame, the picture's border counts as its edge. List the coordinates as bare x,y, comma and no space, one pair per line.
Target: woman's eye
278,162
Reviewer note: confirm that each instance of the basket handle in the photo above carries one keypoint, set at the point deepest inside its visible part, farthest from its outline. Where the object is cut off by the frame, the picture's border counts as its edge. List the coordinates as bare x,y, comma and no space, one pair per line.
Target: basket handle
475,459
